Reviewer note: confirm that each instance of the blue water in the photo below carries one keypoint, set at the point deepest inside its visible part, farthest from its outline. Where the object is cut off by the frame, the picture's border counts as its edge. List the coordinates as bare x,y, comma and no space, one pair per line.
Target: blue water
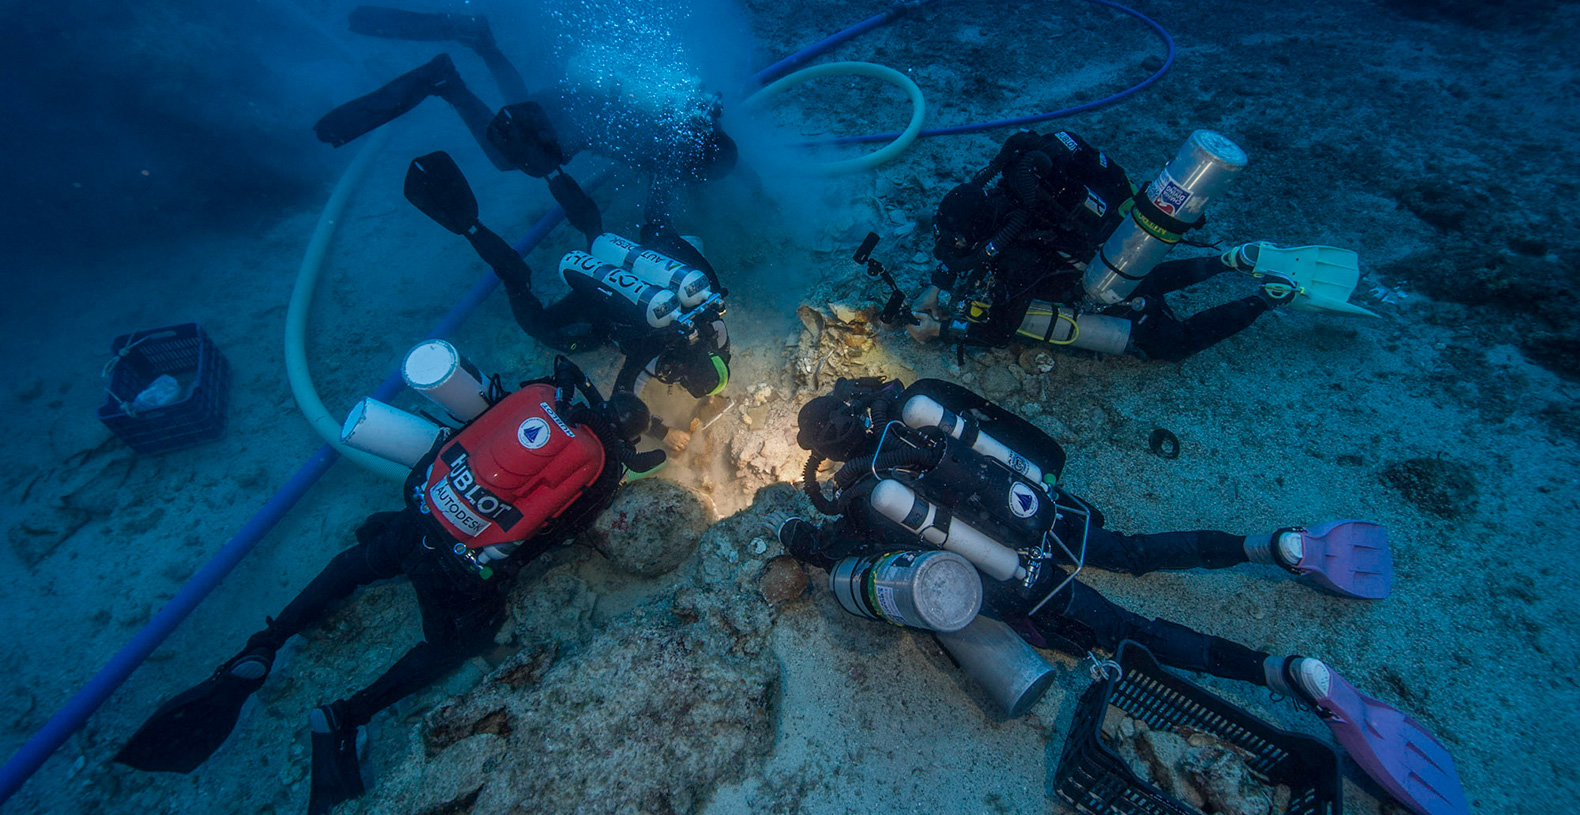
164,171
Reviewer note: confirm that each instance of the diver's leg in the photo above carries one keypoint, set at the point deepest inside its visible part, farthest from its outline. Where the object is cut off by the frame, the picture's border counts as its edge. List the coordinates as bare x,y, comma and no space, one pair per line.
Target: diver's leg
457,625
476,116
470,30
376,556
1140,554
1173,644
1160,335
1174,275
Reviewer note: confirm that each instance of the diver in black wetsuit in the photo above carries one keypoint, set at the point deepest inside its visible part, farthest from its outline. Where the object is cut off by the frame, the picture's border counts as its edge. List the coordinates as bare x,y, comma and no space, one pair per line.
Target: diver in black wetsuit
476,512
678,143
662,336
1014,241
947,505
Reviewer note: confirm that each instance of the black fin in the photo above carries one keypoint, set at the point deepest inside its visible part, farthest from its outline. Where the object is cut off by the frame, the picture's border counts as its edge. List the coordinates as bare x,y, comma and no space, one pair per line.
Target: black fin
437,187
186,730
523,134
403,93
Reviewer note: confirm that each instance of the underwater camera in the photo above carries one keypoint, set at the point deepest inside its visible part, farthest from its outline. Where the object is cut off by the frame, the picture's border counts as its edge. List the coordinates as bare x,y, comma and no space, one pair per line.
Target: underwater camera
894,311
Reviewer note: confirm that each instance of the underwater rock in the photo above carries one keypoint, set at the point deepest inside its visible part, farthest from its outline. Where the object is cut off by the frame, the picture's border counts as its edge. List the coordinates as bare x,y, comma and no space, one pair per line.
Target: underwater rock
998,383
657,710
782,580
1036,360
1225,781
1439,486
1194,767
556,607
651,527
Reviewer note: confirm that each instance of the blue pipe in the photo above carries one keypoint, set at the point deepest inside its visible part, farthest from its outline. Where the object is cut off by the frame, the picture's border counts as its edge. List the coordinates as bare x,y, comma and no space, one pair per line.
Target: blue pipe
867,25
76,711
783,66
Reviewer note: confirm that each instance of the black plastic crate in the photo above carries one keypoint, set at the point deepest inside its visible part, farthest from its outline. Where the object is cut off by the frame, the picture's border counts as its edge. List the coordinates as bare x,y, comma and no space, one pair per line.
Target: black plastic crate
1094,779
184,352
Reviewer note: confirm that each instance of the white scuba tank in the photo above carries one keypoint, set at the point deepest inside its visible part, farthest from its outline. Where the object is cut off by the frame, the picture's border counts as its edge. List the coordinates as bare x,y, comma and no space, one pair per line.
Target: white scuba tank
689,283
939,591
656,305
436,370
388,432
901,504
1203,167
924,411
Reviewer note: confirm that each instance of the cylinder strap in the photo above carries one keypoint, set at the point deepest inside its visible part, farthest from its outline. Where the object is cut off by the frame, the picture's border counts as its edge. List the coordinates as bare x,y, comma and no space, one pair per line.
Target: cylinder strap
1160,224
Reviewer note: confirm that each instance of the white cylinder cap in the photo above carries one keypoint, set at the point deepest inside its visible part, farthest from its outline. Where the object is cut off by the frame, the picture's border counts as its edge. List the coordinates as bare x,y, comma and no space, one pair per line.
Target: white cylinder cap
429,364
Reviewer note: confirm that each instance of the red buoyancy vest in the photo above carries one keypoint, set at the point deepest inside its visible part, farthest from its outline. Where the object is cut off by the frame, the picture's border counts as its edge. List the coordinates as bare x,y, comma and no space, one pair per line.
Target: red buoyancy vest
510,470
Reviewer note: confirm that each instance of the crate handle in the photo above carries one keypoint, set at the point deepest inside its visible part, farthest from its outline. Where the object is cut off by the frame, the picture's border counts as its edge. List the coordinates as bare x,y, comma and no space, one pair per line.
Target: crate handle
120,354
1104,668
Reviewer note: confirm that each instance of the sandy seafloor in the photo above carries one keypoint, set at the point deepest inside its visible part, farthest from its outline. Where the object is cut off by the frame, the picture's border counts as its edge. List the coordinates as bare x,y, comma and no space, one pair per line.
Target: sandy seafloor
1342,107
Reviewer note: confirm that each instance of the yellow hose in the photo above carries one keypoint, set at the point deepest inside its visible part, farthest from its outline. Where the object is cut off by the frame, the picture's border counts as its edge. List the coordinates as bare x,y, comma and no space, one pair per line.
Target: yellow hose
868,69
296,371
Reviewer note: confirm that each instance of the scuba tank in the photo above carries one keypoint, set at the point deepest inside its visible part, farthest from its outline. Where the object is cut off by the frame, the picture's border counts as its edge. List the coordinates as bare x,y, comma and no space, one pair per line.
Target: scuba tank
903,506
1062,325
436,370
1011,672
388,432
940,591
923,411
1172,204
634,300
689,284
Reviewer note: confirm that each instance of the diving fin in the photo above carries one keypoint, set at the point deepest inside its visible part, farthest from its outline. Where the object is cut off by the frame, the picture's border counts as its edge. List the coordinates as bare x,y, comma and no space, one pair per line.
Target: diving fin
186,730
337,775
579,207
1394,749
1324,276
1351,558
523,134
366,113
435,185
399,24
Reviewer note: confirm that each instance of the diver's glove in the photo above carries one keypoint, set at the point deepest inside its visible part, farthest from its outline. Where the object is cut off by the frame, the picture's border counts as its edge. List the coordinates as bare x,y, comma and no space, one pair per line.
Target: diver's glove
797,535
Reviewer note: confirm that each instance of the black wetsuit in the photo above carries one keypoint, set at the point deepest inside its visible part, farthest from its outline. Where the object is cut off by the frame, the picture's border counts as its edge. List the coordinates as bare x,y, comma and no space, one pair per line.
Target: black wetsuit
1160,334
1019,230
461,610
1079,618
844,425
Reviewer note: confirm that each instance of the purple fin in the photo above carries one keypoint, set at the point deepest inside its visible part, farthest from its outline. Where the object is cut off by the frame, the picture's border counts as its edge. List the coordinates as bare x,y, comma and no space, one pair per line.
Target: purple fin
1349,558
1394,749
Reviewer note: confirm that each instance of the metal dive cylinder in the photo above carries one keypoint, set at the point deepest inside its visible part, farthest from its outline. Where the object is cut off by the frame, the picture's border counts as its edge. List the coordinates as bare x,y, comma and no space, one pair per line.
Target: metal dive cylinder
388,432
1064,326
940,591
902,505
1011,672
1203,167
620,289
689,283
923,411
436,370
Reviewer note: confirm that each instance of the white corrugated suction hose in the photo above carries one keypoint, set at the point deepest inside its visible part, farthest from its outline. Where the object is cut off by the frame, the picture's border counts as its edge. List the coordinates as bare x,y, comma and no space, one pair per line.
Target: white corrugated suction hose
296,370
868,69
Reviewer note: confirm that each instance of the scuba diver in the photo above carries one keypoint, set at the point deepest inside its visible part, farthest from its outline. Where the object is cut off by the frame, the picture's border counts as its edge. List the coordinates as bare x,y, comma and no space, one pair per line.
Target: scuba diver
1051,243
659,303
672,134
947,515
527,472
